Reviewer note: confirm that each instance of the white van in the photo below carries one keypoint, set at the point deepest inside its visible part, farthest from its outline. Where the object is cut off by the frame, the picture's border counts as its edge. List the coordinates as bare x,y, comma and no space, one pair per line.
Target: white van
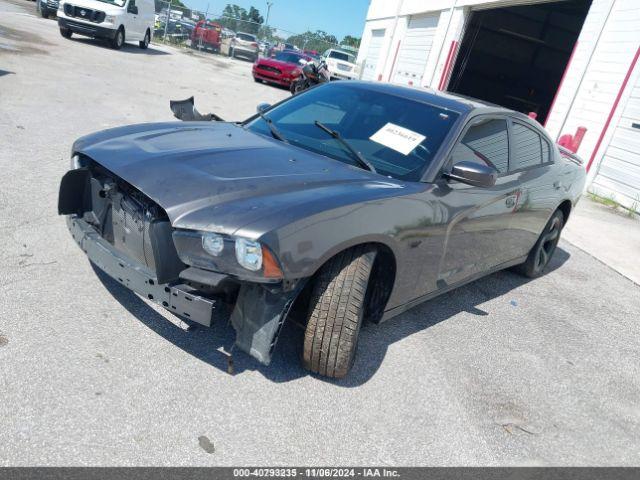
116,21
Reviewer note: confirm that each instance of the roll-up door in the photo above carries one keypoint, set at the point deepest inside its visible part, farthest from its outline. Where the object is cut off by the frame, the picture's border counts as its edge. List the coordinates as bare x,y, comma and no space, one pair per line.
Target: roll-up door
373,54
415,48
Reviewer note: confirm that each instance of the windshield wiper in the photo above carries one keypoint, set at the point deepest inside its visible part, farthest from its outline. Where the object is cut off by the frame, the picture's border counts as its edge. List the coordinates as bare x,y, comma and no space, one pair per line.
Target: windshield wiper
360,159
274,130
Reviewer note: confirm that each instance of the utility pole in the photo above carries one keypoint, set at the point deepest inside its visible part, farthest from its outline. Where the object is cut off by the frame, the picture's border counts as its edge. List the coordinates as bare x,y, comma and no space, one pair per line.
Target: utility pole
166,22
266,23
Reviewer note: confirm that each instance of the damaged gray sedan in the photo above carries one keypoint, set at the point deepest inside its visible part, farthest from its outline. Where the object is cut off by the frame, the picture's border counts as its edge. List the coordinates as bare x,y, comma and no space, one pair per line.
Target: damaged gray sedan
351,202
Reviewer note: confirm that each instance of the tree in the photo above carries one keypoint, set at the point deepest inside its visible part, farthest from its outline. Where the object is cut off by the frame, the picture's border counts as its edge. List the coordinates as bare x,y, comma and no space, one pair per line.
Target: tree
350,41
318,40
237,19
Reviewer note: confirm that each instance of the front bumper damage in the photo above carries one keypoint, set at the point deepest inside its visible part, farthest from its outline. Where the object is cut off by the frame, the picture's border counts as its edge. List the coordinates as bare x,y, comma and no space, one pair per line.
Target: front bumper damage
257,312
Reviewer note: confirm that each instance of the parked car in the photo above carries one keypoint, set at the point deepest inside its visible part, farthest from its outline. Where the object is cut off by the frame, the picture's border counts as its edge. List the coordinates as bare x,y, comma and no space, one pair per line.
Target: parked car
207,35
46,8
342,65
282,69
351,202
116,21
241,45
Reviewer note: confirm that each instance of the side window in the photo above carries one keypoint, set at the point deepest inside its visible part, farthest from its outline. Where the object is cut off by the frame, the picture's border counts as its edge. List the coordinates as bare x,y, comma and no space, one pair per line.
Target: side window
545,152
527,148
485,142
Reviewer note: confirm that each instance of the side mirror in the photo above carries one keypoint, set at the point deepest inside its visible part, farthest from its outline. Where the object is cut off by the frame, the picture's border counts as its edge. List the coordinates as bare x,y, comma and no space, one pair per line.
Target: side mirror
473,173
263,107
133,9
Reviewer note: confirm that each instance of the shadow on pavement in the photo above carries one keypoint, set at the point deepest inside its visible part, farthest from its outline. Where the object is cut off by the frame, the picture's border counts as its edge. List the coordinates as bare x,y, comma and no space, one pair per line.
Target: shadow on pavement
131,48
203,343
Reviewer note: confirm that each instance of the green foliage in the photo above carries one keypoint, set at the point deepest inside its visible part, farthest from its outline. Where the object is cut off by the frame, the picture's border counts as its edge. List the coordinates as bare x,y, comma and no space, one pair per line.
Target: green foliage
239,19
318,40
350,41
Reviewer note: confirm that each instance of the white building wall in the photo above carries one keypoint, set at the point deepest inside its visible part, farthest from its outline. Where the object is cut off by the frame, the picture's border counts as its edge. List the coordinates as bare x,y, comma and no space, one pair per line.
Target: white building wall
605,50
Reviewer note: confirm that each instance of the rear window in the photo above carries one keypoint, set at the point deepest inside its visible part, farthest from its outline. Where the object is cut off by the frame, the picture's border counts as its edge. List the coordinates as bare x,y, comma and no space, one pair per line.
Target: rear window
246,37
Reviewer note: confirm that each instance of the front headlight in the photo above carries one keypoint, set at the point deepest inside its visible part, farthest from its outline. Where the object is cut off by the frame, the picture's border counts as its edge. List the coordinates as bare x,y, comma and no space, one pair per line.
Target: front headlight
249,254
212,243
109,19
242,257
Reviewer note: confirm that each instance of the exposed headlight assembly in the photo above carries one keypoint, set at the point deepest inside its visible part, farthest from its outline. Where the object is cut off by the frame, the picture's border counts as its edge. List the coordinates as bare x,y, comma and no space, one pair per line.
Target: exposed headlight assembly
249,254
237,256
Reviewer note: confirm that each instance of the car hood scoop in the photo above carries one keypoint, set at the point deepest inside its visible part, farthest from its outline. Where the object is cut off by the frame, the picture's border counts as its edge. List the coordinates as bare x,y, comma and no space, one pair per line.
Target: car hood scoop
221,167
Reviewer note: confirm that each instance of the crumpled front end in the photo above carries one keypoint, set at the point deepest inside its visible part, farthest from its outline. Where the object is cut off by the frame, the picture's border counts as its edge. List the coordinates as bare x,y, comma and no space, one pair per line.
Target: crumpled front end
130,238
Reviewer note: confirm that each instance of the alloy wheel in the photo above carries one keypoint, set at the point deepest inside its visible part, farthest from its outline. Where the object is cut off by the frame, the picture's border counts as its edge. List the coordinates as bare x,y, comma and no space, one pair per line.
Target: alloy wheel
548,244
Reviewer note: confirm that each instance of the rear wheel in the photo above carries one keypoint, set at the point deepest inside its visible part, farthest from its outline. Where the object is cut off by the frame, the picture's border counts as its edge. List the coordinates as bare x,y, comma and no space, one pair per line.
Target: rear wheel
44,13
335,313
118,40
543,250
145,42
66,33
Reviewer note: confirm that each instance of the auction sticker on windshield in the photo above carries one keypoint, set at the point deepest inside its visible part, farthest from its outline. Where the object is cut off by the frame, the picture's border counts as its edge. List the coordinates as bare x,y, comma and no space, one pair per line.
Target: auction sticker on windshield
397,138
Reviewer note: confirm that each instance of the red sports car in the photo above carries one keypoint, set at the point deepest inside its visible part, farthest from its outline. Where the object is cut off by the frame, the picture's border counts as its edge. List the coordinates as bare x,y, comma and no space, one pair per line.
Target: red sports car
282,69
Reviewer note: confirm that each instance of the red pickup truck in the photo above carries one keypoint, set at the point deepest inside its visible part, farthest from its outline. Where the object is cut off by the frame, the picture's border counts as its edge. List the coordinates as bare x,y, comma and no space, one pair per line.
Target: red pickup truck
206,35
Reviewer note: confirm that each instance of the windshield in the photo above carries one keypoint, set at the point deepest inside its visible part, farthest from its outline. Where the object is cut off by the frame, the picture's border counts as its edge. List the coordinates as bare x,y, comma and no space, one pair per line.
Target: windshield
288,57
345,57
397,135
119,3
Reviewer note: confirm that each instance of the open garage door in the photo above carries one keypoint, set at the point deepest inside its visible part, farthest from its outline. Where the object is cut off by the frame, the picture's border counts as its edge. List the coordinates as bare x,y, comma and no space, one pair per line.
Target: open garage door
373,54
516,56
415,48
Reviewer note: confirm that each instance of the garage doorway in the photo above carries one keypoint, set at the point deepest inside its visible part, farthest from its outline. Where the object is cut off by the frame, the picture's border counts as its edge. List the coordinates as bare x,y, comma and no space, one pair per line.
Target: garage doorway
516,56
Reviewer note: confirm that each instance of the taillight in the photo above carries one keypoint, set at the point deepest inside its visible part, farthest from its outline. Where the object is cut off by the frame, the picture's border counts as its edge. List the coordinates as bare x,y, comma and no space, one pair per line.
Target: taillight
254,44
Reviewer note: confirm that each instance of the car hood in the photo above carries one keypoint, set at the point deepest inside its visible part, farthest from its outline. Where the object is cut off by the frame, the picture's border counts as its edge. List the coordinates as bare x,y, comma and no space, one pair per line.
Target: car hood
219,176
278,64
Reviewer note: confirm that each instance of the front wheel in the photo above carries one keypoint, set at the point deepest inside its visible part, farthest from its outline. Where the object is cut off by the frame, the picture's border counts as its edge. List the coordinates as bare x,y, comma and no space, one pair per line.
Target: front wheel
145,42
335,313
543,250
297,86
231,53
66,32
44,13
118,40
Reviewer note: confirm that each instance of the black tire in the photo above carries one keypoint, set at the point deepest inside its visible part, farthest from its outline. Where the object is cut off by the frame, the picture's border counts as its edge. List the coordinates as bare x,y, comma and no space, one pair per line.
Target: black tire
66,32
257,80
44,13
336,308
232,53
298,86
118,40
541,253
147,38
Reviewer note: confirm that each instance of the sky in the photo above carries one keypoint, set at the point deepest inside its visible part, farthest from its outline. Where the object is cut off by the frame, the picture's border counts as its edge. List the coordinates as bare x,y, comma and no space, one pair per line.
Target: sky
338,17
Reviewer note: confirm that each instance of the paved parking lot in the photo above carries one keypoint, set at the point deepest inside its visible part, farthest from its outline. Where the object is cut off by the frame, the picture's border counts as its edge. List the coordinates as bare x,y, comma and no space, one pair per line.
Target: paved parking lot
503,371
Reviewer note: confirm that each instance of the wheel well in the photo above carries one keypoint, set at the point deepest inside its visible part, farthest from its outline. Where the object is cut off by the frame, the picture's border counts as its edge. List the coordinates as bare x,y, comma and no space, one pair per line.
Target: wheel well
565,208
382,280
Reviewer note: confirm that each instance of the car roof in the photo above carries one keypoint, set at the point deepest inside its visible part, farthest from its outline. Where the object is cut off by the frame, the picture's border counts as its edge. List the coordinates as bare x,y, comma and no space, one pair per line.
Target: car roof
450,101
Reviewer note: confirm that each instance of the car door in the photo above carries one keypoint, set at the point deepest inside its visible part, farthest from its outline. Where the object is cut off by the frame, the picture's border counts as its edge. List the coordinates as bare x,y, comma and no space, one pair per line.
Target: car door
478,231
132,22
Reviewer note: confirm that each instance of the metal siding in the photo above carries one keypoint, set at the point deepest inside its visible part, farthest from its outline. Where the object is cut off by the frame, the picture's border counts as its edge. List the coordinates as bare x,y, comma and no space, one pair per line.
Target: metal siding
415,49
619,171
